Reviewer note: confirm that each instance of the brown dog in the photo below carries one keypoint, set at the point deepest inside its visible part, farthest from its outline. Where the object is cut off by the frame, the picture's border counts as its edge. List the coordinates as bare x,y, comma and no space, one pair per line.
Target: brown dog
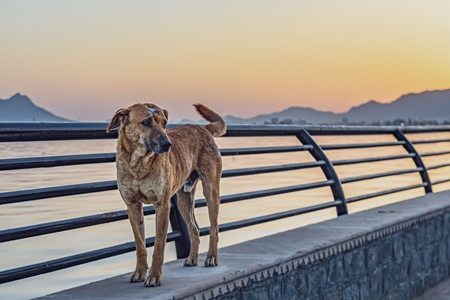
153,164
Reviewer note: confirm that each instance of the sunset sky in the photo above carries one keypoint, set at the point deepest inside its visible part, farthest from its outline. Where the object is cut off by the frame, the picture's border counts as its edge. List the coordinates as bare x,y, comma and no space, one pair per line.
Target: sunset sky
86,59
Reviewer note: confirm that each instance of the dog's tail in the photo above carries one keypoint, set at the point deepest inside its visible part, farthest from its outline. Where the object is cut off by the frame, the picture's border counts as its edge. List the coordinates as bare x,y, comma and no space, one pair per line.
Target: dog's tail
217,125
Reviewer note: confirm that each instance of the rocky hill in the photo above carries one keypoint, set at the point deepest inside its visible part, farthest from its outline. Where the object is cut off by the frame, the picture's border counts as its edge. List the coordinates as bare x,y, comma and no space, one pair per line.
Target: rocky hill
19,108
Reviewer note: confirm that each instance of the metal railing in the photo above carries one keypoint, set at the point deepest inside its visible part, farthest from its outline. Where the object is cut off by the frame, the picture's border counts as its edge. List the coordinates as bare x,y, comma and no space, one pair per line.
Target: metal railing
14,132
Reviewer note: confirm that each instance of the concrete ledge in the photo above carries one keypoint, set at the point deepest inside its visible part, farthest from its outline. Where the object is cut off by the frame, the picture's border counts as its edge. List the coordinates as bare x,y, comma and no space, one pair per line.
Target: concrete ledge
255,261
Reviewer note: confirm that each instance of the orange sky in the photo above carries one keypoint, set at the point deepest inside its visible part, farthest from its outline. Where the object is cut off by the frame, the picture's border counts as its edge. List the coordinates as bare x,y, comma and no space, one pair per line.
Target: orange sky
85,59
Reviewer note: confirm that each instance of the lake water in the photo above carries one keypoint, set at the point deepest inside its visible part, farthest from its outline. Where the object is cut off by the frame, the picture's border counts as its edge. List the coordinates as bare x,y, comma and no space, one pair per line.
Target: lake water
39,249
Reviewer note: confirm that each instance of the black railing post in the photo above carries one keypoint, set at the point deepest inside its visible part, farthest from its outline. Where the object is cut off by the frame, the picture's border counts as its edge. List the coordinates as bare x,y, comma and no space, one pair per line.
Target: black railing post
327,169
400,136
183,244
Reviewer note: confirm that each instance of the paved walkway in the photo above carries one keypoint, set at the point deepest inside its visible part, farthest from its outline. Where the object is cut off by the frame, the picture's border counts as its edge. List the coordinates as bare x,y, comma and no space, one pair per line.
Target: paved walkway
262,258
439,292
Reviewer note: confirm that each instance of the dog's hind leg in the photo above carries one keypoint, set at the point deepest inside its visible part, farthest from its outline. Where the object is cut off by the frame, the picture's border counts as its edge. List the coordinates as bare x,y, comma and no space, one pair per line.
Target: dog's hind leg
211,190
136,217
186,207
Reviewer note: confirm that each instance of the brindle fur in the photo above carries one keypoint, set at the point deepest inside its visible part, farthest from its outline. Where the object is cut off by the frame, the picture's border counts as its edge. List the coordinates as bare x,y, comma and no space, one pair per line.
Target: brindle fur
153,164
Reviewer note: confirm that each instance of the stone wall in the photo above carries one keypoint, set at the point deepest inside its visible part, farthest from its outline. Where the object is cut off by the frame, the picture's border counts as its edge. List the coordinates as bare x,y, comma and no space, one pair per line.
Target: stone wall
400,262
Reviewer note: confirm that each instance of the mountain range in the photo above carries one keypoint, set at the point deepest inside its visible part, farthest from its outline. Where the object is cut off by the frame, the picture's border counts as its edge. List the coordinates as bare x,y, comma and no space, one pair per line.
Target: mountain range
19,108
428,105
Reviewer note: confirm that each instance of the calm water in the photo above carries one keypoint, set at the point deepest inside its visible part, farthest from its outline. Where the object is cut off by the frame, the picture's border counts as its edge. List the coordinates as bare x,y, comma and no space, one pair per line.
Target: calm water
34,250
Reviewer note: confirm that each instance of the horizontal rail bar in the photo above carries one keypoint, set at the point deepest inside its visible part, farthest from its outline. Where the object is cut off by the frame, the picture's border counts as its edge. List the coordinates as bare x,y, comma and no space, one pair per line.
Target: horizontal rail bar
430,141
77,189
270,169
69,224
423,129
36,131
434,153
438,166
385,192
271,217
55,161
441,181
59,191
277,130
267,193
356,146
264,150
370,159
75,260
75,223
69,160
58,226
379,175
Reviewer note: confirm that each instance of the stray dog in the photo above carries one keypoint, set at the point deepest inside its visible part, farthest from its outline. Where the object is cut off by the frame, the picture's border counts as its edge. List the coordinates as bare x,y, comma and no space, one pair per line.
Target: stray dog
153,164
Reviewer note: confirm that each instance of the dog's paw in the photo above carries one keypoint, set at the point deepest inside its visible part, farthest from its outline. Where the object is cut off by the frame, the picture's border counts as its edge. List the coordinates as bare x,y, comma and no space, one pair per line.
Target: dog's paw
211,261
153,280
190,262
138,276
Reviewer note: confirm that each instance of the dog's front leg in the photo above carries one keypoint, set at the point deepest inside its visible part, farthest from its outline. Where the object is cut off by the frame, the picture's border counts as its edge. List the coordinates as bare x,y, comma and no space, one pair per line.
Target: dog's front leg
136,217
162,210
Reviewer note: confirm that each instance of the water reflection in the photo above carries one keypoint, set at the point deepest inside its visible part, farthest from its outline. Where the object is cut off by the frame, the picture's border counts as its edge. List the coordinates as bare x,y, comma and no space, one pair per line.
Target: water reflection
48,247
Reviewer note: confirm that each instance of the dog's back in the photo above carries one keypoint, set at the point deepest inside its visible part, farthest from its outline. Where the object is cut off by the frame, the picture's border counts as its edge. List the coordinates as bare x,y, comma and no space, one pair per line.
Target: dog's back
194,148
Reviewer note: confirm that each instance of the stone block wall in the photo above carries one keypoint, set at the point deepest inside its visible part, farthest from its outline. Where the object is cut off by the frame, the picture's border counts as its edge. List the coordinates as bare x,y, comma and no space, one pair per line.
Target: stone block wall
398,262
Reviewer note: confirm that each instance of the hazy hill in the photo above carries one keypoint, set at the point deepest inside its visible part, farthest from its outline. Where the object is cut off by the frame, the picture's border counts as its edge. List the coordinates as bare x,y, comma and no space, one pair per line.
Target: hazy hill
19,108
293,113
429,105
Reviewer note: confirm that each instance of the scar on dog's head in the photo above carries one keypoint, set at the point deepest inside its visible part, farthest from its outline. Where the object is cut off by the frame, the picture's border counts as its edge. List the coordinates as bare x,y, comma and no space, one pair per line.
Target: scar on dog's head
139,111
143,124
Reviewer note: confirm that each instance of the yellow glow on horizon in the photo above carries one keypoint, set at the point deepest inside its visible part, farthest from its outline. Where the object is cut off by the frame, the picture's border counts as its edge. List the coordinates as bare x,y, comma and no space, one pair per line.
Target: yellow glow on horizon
241,58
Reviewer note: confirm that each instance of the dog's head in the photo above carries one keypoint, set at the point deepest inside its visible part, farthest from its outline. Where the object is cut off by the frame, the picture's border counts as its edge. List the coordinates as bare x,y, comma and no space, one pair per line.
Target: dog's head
144,125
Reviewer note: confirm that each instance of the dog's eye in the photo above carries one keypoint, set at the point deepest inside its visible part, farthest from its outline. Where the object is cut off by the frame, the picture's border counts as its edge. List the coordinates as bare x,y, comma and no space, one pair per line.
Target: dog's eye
147,124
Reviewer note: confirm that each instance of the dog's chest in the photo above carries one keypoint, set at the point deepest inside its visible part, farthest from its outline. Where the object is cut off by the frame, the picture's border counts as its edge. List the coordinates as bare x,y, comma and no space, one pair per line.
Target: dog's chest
143,190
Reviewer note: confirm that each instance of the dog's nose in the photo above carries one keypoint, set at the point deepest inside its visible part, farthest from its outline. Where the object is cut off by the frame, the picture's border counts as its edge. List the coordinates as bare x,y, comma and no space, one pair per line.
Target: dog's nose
165,146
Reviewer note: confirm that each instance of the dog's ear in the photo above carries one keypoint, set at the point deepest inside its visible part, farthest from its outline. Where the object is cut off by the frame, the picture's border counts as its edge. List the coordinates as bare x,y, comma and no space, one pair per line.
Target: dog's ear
165,113
119,118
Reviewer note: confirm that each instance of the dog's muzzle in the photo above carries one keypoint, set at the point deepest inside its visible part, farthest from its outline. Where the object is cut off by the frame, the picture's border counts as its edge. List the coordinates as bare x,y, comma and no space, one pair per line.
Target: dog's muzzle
164,146
160,146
